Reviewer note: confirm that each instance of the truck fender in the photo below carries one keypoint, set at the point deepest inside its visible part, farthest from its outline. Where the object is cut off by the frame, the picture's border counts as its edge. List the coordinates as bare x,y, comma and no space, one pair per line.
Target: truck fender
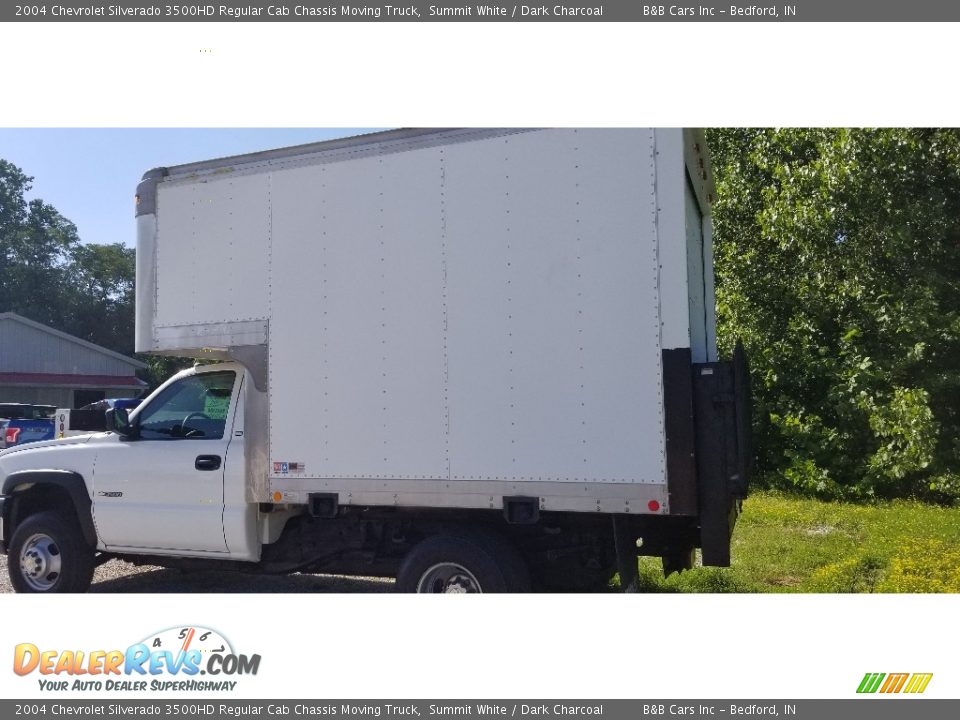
72,483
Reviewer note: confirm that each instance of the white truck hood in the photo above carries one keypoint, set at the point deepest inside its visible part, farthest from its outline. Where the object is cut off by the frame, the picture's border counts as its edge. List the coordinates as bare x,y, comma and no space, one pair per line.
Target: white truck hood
74,454
74,440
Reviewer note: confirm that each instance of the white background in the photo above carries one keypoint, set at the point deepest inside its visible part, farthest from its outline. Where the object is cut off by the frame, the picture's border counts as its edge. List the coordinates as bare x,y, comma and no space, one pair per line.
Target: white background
486,74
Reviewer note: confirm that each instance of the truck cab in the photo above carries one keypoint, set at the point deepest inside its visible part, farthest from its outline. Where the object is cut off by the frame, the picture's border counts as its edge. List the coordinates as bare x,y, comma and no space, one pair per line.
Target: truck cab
104,486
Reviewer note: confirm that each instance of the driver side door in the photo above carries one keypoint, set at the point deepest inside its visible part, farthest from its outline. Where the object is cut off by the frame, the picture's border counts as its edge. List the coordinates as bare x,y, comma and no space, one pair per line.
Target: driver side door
164,490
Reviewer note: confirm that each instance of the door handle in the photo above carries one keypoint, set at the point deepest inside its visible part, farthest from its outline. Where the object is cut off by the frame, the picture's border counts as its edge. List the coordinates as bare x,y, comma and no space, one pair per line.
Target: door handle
207,462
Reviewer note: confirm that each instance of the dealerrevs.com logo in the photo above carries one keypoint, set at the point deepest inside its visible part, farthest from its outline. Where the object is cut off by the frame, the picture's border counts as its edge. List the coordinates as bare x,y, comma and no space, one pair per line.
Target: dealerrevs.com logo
890,683
173,659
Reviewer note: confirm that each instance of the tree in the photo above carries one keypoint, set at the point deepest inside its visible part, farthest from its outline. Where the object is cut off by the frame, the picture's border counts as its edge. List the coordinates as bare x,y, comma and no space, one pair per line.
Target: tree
102,279
36,243
838,263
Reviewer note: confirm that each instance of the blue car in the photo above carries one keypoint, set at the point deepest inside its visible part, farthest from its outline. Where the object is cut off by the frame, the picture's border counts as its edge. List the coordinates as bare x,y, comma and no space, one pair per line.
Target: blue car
22,423
20,431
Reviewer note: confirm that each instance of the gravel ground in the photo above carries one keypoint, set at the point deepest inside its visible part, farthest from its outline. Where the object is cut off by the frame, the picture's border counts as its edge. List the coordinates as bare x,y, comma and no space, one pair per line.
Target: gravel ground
117,576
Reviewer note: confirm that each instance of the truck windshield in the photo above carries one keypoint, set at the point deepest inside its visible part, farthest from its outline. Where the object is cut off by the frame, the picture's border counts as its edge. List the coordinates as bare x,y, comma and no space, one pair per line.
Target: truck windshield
195,407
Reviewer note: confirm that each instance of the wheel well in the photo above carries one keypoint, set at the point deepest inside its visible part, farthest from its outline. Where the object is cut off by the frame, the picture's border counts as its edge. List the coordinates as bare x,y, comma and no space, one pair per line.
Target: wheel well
491,562
39,498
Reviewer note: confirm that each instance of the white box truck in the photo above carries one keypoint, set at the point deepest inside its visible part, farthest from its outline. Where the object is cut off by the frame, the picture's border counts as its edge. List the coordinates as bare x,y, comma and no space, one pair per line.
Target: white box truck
474,360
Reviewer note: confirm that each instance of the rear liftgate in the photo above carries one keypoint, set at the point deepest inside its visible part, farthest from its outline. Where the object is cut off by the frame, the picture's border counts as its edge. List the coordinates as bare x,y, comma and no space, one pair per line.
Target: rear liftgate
707,419
722,409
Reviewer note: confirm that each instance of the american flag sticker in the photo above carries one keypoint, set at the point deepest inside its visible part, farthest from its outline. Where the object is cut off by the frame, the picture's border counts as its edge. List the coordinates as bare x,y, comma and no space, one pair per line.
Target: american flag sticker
286,468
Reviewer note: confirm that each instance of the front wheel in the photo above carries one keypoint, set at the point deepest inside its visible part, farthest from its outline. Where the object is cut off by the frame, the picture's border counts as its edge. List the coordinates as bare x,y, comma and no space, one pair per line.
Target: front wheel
467,563
48,554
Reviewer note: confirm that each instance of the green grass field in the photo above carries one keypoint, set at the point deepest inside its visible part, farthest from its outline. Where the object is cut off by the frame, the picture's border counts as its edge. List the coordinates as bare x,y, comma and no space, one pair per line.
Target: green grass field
790,544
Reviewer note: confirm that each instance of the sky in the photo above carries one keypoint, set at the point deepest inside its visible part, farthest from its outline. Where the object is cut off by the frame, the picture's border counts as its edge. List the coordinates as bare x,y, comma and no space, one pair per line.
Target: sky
91,175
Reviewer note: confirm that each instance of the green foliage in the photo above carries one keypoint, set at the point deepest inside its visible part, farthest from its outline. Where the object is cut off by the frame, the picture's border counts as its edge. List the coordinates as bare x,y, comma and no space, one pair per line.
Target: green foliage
102,291
907,432
838,263
861,573
36,245
161,367
700,580
785,543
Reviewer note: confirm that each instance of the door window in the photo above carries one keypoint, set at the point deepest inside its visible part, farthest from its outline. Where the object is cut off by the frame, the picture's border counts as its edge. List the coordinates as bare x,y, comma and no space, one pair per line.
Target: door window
194,408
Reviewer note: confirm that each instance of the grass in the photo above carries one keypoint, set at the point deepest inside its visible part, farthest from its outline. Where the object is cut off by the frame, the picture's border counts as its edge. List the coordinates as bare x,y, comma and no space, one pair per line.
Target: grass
789,544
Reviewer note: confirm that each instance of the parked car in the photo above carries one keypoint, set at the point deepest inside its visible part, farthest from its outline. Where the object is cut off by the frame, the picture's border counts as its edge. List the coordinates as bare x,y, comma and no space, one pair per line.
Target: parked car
20,431
90,418
9,411
24,422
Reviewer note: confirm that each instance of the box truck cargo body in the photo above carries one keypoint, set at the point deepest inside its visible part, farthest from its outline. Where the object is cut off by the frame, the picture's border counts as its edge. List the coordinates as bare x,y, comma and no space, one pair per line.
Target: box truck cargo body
467,357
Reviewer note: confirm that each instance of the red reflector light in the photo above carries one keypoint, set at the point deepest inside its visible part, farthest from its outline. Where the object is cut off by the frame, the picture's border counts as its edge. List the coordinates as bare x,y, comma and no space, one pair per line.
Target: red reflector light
653,505
12,435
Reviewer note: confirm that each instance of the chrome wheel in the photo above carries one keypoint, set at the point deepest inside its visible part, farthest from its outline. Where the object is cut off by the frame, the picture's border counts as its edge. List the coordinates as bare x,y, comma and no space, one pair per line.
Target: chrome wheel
448,577
474,560
40,562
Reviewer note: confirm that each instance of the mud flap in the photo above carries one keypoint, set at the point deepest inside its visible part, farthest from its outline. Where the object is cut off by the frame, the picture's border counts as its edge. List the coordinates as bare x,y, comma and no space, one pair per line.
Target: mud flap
722,409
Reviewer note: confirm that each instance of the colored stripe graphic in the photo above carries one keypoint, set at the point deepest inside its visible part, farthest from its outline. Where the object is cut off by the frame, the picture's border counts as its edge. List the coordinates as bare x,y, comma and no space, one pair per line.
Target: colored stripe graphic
918,683
894,683
870,682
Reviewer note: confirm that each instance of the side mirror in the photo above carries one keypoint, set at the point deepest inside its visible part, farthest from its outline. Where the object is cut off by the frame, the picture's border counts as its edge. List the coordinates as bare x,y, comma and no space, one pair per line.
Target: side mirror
118,421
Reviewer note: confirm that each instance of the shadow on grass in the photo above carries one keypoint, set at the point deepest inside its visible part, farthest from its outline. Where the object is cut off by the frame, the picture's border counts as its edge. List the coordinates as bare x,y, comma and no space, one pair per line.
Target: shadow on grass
697,580
162,580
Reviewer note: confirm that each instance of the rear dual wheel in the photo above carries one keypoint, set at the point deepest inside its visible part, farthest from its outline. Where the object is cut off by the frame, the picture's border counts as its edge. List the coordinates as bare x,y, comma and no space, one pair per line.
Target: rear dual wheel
474,562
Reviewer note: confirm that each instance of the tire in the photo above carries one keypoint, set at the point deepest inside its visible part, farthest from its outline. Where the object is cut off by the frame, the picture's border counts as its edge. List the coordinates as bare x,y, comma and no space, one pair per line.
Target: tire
48,554
463,563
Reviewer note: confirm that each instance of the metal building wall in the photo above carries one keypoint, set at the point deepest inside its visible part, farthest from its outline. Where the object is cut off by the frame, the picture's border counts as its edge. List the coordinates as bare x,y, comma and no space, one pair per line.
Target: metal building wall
30,350
61,397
